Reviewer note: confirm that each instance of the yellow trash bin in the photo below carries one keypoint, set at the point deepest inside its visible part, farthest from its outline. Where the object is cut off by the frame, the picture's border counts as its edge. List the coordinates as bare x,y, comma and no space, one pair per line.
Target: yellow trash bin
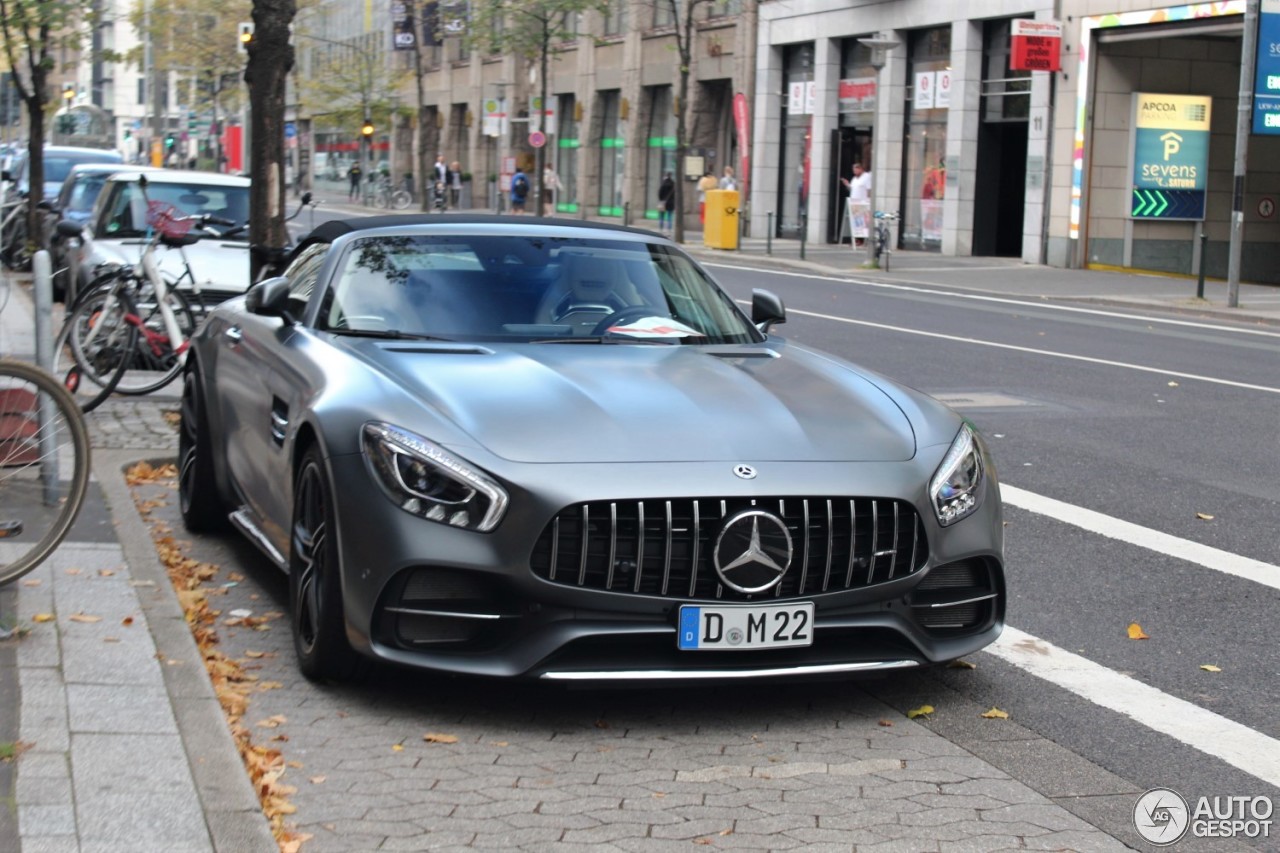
721,231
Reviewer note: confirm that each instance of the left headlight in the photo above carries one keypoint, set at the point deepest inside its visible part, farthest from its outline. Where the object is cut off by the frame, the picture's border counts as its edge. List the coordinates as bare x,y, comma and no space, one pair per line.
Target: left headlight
956,487
425,480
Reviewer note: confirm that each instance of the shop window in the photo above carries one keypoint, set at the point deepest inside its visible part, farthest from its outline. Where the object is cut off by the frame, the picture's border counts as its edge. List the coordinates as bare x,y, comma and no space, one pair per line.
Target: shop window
612,155
924,170
660,145
797,142
566,154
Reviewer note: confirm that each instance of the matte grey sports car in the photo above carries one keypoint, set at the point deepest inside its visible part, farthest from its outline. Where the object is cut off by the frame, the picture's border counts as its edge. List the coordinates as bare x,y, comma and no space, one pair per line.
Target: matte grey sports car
530,448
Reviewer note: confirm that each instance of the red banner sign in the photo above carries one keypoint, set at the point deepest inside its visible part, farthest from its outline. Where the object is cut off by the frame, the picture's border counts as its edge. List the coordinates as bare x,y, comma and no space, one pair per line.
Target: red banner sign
1035,46
744,143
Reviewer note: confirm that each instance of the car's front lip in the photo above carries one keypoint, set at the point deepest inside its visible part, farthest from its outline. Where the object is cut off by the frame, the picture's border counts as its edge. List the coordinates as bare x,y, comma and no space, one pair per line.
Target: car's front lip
714,674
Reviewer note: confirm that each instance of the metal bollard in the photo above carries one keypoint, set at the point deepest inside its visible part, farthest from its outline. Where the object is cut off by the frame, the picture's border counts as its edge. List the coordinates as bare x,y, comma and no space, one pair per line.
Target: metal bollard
42,274
1204,240
768,234
626,213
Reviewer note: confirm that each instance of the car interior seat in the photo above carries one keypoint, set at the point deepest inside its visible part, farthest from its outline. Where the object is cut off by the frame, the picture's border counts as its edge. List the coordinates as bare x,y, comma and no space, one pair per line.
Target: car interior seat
589,289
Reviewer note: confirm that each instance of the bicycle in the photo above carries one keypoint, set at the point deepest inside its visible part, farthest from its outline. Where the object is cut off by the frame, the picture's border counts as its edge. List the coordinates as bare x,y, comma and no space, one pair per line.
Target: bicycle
129,330
41,429
15,245
391,199
883,238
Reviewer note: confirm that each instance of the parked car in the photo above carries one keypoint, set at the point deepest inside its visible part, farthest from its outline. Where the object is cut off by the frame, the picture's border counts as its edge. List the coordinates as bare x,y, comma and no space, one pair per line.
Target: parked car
483,445
75,203
58,162
118,226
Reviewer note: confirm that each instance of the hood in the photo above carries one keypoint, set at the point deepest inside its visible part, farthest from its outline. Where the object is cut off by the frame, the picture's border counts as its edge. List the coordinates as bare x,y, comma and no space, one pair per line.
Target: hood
552,403
218,265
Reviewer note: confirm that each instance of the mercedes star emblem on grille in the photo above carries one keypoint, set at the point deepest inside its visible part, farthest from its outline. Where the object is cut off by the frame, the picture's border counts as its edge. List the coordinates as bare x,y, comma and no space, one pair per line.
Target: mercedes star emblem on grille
753,551
746,472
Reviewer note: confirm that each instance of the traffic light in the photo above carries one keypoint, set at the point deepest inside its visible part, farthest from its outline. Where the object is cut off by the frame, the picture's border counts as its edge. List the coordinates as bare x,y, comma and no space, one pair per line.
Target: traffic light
366,129
169,142
245,35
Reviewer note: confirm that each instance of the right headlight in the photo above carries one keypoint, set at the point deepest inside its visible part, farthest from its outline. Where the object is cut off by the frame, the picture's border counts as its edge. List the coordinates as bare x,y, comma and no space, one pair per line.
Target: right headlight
427,481
956,487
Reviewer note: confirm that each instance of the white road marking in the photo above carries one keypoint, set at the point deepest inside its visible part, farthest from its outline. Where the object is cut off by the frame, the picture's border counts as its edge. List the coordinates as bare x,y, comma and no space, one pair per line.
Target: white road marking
1144,537
1025,303
1032,350
1210,733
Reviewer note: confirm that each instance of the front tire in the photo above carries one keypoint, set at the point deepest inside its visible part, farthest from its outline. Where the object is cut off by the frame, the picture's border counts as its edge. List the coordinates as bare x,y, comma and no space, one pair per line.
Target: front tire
315,588
202,508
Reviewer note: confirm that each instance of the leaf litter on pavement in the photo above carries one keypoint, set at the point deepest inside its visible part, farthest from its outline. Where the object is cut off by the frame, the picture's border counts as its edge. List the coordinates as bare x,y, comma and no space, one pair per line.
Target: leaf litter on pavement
232,684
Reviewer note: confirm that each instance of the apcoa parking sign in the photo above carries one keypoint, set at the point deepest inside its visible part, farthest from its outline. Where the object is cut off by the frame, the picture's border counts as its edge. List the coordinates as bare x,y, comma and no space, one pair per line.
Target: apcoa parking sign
1266,89
1170,156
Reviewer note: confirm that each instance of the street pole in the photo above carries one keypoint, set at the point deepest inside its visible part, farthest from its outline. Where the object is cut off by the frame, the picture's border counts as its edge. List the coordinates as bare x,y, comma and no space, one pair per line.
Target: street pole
1244,123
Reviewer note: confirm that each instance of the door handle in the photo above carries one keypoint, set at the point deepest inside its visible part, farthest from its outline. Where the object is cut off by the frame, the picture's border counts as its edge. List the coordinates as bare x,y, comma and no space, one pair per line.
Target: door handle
233,334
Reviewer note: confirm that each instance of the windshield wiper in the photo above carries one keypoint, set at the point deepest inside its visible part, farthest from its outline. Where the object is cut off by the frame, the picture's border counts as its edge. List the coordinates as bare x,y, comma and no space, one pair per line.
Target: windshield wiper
386,334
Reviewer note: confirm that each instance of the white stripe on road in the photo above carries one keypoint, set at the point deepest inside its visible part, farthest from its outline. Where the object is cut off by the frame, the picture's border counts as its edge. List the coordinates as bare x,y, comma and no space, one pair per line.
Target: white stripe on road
1022,303
1210,733
1032,350
1144,537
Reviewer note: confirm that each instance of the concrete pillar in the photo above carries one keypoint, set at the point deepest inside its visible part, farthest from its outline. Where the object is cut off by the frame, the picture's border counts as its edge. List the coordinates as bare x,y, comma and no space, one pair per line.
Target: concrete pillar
767,134
886,172
826,77
1039,167
963,117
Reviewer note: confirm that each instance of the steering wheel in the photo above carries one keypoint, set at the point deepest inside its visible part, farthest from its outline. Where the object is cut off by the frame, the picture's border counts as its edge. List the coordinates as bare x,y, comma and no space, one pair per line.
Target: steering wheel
622,317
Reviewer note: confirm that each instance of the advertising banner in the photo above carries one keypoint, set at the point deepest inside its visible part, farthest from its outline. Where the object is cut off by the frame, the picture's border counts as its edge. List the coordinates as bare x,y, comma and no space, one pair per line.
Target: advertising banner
403,34
1035,45
858,94
923,90
1266,89
741,123
1170,155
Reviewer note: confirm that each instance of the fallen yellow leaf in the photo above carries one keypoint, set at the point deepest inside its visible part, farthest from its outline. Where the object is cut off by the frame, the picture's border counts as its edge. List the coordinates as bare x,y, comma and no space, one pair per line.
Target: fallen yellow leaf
922,711
32,582
73,571
397,748
1136,632
127,621
1173,384
252,654
43,617
84,617
728,831
272,722
1204,516
961,664
318,780
105,573
1208,667
498,743
437,737
888,724
995,714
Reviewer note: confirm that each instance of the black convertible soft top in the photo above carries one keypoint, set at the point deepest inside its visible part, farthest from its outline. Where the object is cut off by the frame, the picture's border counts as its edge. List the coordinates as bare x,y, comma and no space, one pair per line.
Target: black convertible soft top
327,232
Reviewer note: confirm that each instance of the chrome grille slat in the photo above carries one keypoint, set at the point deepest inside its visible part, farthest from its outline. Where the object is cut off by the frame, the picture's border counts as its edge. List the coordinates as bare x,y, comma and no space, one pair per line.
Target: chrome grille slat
875,536
849,529
697,543
893,560
639,548
831,534
586,534
613,544
804,562
666,559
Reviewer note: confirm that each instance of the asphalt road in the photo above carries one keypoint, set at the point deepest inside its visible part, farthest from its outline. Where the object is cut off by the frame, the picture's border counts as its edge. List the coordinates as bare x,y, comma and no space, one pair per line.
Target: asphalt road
1091,412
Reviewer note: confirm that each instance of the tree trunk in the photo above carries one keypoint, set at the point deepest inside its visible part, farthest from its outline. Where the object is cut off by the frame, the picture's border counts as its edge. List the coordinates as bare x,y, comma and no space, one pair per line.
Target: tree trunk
270,60
425,179
35,157
540,167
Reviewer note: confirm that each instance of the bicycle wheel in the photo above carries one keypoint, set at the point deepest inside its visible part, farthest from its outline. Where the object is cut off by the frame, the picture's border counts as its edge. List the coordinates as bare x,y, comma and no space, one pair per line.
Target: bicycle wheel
155,363
94,346
400,200
16,253
44,466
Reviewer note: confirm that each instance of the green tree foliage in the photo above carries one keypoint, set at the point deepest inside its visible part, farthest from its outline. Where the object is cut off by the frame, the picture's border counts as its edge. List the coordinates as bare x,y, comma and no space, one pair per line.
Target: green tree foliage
196,41
31,33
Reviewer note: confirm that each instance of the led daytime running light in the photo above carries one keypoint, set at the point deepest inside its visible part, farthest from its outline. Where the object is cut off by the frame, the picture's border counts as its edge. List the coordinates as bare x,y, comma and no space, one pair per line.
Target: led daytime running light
953,501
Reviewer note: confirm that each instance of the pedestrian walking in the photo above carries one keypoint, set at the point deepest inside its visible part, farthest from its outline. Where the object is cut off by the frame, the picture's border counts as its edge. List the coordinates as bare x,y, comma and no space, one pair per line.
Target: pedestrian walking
727,181
666,203
519,190
550,190
354,174
454,183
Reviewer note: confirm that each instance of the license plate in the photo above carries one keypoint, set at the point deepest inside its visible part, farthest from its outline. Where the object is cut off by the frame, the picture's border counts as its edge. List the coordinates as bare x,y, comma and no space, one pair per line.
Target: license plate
766,626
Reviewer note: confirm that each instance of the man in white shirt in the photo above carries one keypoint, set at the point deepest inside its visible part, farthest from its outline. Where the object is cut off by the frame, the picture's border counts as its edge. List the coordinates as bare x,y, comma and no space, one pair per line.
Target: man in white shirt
859,188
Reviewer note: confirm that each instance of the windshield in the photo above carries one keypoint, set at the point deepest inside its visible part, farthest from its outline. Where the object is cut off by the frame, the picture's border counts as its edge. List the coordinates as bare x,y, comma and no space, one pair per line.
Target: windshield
530,288
127,213
58,166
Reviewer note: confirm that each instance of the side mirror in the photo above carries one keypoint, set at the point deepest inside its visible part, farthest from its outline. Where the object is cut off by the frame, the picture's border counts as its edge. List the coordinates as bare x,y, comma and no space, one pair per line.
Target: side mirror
269,298
69,229
767,309
306,198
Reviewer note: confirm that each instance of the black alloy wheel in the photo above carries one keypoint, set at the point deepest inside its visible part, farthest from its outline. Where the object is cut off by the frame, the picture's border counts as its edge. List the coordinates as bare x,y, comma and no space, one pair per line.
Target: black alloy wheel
202,509
315,593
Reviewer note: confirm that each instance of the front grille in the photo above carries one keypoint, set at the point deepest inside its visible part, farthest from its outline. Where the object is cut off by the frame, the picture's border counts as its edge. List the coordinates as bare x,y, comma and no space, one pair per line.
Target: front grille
665,547
955,598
